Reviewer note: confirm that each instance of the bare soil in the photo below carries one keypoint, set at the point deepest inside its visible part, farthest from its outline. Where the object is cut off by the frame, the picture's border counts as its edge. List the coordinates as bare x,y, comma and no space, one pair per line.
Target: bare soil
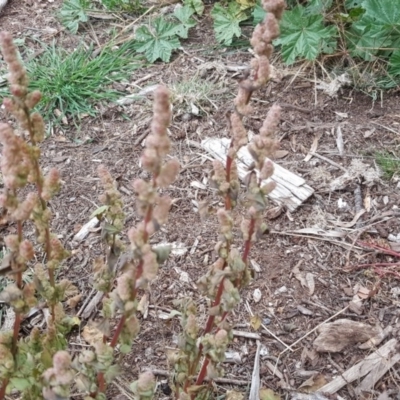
290,307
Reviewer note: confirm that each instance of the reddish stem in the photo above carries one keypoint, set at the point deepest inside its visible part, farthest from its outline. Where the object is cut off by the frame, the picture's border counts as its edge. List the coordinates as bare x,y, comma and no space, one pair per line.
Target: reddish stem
377,247
247,245
17,324
203,371
117,332
3,389
101,381
228,167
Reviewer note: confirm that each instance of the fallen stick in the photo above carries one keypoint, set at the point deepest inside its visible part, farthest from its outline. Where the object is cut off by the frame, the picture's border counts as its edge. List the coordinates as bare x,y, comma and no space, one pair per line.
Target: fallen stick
374,366
226,381
255,376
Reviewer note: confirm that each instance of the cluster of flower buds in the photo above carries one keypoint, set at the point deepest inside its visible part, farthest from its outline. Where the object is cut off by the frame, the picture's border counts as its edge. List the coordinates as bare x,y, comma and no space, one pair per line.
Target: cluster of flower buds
145,386
59,378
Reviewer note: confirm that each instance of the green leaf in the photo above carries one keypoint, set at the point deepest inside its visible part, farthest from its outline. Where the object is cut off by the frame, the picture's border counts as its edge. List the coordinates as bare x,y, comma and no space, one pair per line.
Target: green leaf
226,22
162,252
20,383
349,4
157,41
258,13
112,372
183,14
72,13
196,5
304,36
316,7
376,31
99,212
384,12
111,229
394,63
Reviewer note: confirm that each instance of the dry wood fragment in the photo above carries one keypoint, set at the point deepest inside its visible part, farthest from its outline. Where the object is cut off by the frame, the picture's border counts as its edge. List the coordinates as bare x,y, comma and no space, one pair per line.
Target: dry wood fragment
247,335
313,396
374,366
84,231
3,4
88,310
255,377
228,381
291,190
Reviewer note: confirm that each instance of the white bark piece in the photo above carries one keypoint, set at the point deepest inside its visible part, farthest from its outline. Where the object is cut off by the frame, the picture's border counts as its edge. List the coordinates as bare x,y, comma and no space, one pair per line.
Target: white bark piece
291,190
3,4
9,320
84,231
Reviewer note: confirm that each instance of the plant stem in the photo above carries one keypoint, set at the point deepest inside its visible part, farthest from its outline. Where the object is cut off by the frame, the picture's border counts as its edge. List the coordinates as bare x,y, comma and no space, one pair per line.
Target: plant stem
3,388
247,245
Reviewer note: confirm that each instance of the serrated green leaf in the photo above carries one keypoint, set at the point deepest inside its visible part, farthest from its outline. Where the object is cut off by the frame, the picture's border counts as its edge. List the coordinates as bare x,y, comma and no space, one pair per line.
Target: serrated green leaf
385,12
226,22
365,38
72,13
394,68
376,31
183,14
196,5
304,36
316,7
258,13
158,41
349,4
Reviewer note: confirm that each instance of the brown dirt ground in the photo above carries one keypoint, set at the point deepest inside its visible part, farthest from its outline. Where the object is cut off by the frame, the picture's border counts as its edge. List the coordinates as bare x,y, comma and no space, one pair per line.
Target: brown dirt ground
287,308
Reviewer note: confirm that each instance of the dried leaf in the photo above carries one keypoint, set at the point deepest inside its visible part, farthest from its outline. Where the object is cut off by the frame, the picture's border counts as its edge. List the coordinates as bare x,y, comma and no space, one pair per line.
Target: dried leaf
92,334
304,310
233,395
73,301
274,212
313,148
143,305
299,275
255,322
257,295
268,394
310,282
183,276
312,384
280,154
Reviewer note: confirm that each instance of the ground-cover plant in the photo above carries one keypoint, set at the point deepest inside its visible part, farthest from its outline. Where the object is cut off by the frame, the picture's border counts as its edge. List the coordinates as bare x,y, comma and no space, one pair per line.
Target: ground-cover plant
363,37
73,83
389,164
39,366
73,13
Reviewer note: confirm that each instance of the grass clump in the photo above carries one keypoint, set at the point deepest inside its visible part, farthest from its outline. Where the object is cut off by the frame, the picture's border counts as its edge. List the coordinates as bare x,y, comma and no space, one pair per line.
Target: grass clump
72,83
389,164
